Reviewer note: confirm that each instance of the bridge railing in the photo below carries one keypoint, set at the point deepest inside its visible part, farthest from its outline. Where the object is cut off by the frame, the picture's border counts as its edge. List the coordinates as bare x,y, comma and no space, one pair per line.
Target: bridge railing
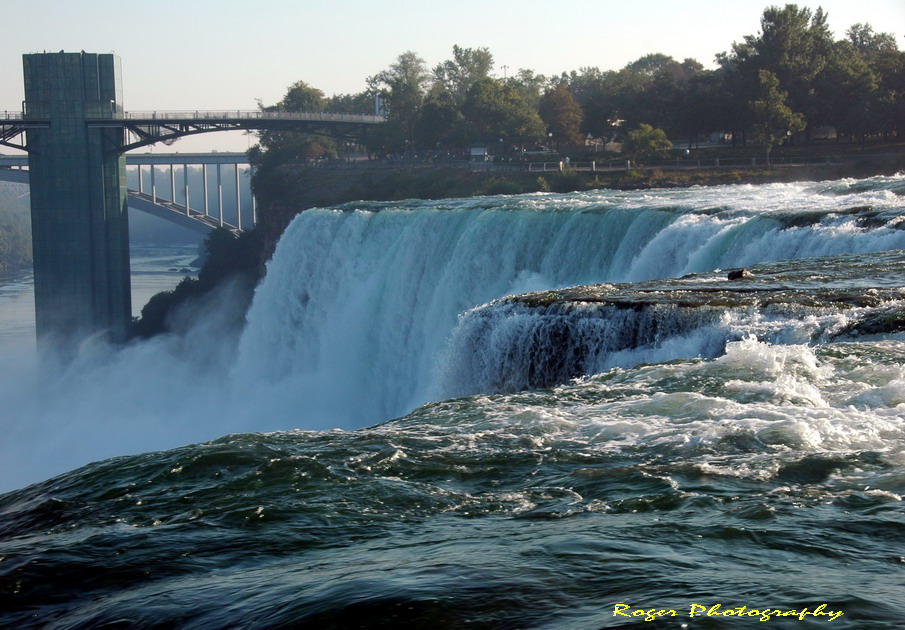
233,114
252,114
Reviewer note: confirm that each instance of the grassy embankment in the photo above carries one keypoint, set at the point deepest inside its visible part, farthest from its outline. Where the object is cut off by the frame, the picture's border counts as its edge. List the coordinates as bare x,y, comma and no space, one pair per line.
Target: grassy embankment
285,191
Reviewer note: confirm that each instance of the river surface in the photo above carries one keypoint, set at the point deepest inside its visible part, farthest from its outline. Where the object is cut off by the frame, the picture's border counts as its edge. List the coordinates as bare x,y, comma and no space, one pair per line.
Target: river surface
155,268
539,411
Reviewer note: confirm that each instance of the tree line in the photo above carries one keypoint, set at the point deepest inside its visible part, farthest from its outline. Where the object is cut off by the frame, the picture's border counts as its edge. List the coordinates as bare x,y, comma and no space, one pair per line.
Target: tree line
15,228
790,82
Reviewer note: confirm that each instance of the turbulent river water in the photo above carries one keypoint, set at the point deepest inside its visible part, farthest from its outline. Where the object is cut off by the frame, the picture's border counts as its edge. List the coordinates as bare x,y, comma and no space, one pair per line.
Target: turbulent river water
540,411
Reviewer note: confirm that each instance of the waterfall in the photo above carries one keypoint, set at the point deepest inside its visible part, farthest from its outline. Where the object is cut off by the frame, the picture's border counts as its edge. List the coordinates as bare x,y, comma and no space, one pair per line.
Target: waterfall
360,301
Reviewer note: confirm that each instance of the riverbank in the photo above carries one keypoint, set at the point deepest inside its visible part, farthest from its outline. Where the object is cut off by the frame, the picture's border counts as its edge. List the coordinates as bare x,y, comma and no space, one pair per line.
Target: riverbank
285,191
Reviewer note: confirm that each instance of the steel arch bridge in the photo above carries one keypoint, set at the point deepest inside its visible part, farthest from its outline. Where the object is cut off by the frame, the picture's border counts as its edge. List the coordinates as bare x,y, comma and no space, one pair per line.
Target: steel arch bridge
141,129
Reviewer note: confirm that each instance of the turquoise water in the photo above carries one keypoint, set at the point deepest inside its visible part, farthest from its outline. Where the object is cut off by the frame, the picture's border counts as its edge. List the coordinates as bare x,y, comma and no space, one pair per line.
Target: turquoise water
396,442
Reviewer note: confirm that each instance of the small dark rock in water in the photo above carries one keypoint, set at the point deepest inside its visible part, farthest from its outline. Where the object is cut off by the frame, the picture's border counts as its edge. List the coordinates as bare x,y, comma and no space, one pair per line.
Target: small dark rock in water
738,274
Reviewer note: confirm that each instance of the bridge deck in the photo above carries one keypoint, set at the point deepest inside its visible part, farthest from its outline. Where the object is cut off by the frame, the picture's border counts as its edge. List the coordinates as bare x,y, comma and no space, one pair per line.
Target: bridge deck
189,116
156,126
244,115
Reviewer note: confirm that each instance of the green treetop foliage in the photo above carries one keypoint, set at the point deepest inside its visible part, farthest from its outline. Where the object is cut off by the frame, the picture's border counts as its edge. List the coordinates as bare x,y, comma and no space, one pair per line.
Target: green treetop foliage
890,97
301,97
701,107
885,98
360,103
403,87
794,44
870,45
657,85
529,85
494,110
595,92
645,143
851,81
467,67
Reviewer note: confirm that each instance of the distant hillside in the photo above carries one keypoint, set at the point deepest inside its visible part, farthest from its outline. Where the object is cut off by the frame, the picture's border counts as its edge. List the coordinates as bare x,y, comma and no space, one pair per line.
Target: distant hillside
15,227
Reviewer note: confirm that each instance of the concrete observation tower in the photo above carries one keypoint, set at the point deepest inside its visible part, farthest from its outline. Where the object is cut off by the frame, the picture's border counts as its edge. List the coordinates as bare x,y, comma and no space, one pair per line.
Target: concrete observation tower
77,174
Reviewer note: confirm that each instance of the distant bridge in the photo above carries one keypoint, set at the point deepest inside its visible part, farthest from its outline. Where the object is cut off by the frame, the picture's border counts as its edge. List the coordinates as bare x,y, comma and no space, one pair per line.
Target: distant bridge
151,127
179,187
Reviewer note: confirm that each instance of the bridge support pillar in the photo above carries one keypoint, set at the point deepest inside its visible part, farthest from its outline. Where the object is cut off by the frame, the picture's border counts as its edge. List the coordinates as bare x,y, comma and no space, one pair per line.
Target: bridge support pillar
77,171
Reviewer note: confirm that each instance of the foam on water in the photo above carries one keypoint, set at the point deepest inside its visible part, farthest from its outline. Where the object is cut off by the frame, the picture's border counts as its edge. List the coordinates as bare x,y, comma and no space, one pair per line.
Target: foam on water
744,413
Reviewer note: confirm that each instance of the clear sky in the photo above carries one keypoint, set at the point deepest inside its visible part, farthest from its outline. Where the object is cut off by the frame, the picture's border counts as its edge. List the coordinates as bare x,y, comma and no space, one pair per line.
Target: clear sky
227,54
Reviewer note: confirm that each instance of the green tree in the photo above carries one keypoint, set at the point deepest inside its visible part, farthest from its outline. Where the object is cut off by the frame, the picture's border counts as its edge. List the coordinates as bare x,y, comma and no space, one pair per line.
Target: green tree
891,73
402,86
495,110
228,257
529,85
736,89
853,109
646,143
794,45
774,120
440,123
467,67
701,108
360,103
563,116
285,146
596,93
663,85
887,65
870,45
647,91
301,97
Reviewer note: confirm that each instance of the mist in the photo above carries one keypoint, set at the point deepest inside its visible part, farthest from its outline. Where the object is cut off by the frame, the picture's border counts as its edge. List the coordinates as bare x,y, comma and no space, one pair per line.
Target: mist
108,401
